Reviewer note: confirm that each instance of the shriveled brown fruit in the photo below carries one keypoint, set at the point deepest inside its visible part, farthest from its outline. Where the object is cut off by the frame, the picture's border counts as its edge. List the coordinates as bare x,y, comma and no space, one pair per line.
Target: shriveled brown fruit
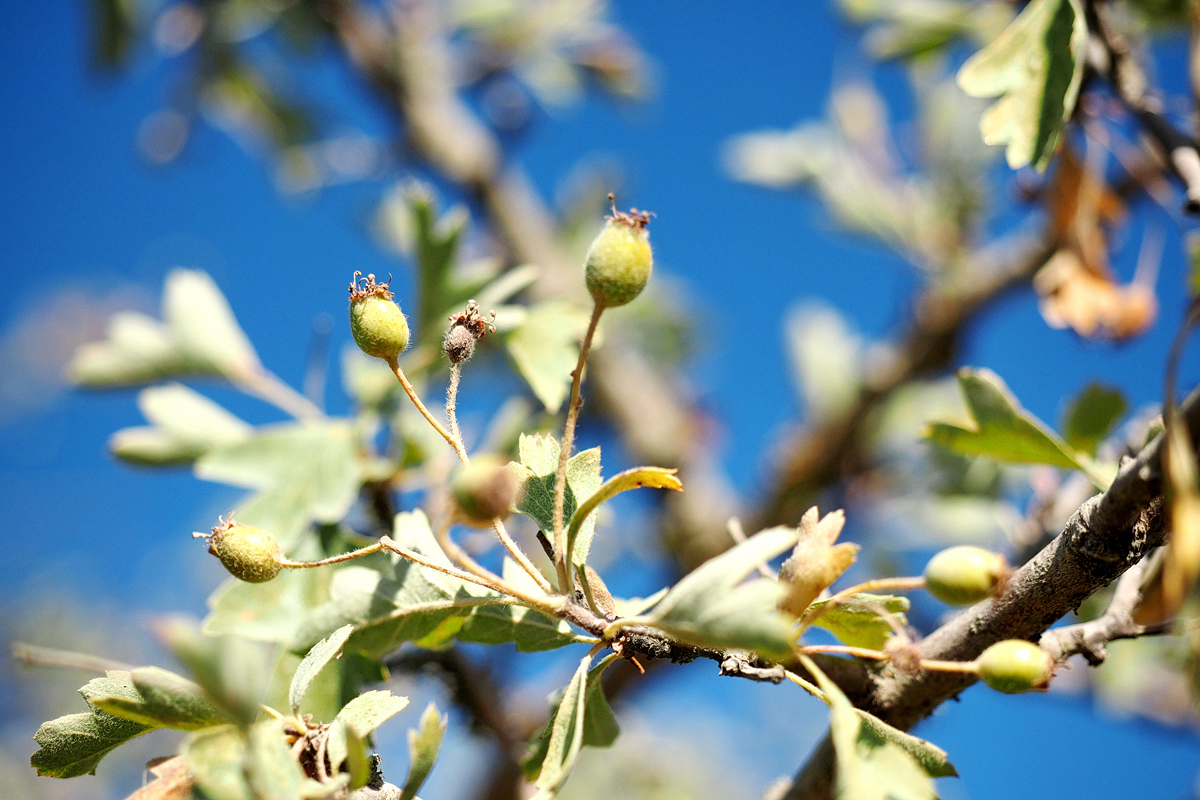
816,562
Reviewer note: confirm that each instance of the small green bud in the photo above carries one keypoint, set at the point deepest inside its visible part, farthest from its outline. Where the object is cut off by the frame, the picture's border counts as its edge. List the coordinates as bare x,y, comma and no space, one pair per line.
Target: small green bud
484,490
378,324
1014,666
962,576
619,261
250,554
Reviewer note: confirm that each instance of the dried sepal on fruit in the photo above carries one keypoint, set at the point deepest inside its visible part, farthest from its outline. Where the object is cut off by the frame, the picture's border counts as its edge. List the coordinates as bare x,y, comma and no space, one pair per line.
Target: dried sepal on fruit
379,326
816,562
1014,666
249,553
619,261
964,575
466,328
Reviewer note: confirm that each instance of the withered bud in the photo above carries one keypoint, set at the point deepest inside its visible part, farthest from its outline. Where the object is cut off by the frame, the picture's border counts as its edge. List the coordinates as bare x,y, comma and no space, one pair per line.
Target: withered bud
459,344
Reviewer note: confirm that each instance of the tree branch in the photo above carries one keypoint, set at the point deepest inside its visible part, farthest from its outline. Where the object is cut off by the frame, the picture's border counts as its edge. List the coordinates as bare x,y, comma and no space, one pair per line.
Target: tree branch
1106,536
833,450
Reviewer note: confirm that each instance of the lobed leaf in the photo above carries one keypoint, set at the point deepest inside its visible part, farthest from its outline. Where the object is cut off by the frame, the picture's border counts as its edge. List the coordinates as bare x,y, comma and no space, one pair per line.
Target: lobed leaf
1091,416
1036,63
321,654
186,425
709,608
424,743
158,698
544,348
860,620
536,472
870,765
73,745
1003,430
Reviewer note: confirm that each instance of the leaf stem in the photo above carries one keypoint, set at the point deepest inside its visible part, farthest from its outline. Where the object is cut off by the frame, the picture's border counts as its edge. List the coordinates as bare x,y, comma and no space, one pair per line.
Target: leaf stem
564,454
806,686
267,386
844,650
437,426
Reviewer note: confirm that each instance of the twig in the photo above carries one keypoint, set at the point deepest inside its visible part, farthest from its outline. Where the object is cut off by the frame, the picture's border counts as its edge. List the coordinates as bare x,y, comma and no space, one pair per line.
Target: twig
564,455
437,426
1089,638
33,655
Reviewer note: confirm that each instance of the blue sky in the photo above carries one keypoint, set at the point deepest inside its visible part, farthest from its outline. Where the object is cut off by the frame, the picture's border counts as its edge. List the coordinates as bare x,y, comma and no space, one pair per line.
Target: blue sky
79,210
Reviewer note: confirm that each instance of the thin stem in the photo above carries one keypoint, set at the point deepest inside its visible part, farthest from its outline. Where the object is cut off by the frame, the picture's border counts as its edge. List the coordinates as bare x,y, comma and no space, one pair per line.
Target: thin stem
268,387
437,426
501,587
452,405
950,666
519,556
353,554
564,454
32,655
858,588
806,686
844,650
462,558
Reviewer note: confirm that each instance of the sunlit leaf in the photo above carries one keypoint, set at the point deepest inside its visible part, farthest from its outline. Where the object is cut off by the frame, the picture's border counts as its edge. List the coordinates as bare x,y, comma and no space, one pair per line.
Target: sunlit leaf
73,745
159,698
1036,63
545,348
233,671
186,426
1003,430
870,765
321,654
536,471
709,607
1091,416
861,620
304,472
424,743
371,709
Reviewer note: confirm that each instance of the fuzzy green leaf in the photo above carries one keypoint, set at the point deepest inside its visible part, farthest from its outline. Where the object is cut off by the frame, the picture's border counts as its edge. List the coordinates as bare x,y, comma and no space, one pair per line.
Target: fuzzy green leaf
73,745
232,670
1003,430
870,766
160,699
424,743
321,654
709,607
198,336
186,425
550,758
371,709
273,772
545,348
857,621
536,471
304,472
270,612
1036,63
1091,416
933,759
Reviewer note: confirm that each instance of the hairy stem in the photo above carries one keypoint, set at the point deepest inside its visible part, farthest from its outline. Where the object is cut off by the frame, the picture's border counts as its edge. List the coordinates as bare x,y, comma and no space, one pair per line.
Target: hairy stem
564,454
452,406
437,426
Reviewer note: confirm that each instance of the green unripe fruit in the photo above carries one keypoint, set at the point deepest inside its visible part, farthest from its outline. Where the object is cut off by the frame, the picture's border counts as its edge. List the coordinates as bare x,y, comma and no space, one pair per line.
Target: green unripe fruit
619,261
250,554
1014,666
962,576
484,490
379,326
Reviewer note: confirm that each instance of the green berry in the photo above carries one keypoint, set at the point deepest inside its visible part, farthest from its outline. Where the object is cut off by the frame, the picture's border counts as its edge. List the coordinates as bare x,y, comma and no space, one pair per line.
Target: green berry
619,261
250,554
378,324
484,490
962,576
1014,666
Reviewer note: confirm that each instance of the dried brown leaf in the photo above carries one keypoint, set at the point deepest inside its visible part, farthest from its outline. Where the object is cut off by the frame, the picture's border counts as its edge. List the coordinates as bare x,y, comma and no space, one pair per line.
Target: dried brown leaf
1090,304
172,781
816,561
